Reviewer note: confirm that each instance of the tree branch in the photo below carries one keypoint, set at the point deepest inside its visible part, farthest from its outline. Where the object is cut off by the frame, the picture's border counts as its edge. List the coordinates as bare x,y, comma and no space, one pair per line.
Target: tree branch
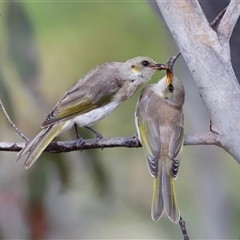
214,24
229,20
183,228
129,142
208,138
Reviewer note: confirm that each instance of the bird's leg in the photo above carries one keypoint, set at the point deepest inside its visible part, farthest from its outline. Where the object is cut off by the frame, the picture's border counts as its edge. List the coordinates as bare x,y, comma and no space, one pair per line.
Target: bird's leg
98,135
79,138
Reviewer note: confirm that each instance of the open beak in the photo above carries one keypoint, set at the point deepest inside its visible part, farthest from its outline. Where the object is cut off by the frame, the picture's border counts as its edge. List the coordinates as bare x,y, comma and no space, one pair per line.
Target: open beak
169,76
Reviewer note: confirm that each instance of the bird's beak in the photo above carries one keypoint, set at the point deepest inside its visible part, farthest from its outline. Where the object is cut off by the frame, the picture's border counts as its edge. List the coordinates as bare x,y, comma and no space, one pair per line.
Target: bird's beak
159,66
169,76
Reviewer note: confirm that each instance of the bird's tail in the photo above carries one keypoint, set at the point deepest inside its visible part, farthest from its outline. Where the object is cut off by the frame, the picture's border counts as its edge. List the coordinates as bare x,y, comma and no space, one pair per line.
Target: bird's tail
164,197
39,143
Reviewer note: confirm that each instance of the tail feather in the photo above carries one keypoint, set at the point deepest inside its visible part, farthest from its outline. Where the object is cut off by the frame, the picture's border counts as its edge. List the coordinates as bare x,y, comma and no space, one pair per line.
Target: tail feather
30,144
39,143
164,197
157,201
169,195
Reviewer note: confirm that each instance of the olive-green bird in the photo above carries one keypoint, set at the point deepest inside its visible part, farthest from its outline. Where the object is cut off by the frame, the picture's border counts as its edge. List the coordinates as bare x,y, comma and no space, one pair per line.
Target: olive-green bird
159,123
91,99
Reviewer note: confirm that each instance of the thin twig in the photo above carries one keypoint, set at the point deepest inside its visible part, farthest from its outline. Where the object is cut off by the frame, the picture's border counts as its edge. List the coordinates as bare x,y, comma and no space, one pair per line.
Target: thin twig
183,228
11,122
172,60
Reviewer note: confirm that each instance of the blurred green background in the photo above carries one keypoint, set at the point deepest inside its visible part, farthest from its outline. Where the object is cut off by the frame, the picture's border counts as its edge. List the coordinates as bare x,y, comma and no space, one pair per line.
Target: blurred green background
98,194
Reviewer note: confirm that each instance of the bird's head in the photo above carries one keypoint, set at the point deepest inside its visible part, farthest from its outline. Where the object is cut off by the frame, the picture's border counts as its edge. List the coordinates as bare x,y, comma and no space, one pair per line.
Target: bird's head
171,88
142,68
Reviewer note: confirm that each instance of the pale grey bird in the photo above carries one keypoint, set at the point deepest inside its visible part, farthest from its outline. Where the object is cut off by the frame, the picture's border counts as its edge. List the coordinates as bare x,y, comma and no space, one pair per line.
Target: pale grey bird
159,123
91,99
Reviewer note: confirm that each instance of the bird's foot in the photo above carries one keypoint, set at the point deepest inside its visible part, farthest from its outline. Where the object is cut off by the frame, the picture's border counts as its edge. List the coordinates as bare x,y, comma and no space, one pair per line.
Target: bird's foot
80,140
136,138
97,134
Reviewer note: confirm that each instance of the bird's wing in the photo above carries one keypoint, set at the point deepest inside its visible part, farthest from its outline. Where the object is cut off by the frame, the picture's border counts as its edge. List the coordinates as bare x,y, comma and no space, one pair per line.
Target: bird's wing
148,129
176,142
84,96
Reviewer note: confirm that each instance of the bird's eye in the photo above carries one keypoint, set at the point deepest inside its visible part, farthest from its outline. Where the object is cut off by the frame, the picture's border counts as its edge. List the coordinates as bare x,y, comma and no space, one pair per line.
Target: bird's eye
170,88
145,63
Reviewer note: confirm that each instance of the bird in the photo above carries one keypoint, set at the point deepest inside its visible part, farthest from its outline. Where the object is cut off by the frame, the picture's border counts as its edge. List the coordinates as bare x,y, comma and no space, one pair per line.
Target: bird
92,98
159,122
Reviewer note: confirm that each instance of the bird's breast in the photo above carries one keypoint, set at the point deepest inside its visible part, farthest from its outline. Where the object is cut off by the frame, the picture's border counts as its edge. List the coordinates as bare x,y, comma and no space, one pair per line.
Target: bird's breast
92,117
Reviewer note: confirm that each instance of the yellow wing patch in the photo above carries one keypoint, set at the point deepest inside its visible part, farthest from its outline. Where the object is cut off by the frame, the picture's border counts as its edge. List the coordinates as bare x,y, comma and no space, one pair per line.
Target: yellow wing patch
144,138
